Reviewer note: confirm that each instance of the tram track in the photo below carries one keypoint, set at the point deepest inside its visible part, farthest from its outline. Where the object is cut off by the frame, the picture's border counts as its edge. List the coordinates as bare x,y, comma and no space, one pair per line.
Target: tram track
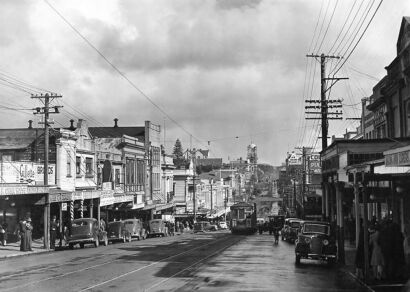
94,256
103,264
193,266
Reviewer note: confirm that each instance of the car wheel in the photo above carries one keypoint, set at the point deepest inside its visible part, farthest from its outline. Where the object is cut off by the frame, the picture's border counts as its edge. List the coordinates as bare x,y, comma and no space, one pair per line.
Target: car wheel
331,261
71,246
297,259
96,243
81,245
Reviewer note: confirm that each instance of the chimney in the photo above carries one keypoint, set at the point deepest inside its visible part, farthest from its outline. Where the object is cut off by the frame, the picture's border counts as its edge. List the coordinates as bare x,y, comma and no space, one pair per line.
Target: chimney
115,123
71,125
30,124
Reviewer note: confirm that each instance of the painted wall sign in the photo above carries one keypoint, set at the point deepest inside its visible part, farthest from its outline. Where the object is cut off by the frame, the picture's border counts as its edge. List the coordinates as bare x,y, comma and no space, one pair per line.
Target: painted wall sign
26,172
398,159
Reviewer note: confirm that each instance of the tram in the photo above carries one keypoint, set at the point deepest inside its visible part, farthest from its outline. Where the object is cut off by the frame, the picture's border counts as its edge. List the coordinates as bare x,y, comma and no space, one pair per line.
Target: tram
243,218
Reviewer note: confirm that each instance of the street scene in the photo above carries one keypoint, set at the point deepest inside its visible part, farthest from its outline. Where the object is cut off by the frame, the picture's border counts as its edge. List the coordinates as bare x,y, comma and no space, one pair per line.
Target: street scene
213,145
176,263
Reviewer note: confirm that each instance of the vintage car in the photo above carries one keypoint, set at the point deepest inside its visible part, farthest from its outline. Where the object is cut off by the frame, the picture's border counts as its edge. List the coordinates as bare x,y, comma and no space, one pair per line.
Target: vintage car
157,227
223,225
135,228
86,230
290,229
316,241
116,231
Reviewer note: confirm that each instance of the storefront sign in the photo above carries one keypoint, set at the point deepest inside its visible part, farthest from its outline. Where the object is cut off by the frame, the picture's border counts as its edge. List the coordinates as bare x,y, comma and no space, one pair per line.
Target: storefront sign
123,198
26,172
398,159
60,197
64,207
314,163
22,190
295,159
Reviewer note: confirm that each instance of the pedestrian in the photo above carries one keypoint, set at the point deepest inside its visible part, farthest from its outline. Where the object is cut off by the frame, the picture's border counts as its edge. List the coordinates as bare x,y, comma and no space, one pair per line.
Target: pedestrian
53,232
359,257
26,229
3,234
377,259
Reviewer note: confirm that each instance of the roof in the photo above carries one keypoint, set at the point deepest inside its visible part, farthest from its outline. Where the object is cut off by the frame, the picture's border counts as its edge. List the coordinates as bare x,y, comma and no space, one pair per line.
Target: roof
18,138
117,132
241,205
316,222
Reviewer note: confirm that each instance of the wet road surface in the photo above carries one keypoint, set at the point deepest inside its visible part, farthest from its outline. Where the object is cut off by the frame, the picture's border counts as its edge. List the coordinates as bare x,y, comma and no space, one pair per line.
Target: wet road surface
215,261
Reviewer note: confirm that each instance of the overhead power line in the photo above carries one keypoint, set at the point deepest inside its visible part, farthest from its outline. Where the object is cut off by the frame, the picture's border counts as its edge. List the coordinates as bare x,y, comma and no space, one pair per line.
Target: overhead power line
117,70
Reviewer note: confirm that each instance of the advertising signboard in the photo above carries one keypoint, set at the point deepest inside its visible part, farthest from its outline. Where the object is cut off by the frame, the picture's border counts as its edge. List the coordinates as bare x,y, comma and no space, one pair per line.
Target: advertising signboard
295,159
30,173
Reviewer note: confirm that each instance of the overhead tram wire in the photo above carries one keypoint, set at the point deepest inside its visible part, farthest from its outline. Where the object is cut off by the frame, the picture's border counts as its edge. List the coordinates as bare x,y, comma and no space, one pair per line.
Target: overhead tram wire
321,26
130,82
348,29
328,25
302,120
360,38
343,26
355,33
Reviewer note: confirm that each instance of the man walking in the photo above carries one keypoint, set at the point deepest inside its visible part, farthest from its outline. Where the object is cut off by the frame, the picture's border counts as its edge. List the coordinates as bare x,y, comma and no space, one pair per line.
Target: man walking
53,232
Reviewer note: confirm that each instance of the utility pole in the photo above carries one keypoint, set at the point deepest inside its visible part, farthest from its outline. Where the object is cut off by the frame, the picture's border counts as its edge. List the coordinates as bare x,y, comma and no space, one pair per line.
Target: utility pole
324,103
46,111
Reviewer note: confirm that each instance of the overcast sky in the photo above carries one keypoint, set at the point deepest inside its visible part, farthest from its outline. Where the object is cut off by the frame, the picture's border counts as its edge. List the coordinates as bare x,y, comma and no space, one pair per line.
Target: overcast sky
232,72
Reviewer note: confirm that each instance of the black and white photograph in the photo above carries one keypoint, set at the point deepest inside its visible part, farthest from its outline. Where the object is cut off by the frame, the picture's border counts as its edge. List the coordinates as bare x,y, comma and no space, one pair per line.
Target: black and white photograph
205,145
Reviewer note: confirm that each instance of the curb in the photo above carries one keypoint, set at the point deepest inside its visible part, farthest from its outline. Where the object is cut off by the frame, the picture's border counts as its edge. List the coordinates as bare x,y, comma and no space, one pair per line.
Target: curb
356,279
23,254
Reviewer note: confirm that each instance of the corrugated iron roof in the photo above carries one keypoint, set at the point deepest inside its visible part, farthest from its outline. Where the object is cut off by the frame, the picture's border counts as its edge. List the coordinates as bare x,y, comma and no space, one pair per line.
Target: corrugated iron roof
12,139
117,132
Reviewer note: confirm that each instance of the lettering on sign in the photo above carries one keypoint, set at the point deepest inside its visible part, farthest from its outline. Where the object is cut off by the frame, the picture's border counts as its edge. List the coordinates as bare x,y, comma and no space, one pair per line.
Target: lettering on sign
398,159
26,172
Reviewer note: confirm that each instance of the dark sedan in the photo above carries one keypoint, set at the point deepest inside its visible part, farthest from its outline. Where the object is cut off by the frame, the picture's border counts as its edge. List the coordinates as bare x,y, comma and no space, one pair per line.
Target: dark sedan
316,241
117,231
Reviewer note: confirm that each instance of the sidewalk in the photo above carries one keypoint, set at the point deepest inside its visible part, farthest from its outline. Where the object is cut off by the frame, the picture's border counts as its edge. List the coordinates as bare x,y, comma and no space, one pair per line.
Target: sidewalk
12,249
350,269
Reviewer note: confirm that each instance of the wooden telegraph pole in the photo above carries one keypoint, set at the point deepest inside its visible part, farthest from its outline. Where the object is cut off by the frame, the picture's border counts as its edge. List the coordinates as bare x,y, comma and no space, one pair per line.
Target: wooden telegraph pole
45,110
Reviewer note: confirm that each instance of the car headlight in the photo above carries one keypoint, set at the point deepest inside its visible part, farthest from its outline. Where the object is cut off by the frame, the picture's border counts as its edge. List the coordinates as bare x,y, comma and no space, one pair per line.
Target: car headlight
325,242
307,239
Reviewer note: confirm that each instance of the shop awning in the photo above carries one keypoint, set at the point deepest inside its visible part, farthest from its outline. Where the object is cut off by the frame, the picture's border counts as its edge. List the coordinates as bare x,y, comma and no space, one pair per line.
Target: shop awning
164,206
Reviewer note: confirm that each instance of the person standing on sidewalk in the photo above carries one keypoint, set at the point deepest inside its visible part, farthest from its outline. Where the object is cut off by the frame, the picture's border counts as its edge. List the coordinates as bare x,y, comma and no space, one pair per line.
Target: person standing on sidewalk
53,232
377,259
26,234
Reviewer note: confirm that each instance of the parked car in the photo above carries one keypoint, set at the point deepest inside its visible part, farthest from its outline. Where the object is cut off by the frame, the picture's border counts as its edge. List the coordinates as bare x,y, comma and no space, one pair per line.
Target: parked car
290,229
223,225
84,231
157,228
116,231
316,241
135,228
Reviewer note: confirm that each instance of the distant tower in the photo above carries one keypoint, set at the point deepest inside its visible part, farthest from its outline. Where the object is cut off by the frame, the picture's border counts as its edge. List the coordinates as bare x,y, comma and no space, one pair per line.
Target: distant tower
252,154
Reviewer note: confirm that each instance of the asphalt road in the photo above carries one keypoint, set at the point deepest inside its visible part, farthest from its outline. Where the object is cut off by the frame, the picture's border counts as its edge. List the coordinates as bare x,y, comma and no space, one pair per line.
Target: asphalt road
215,261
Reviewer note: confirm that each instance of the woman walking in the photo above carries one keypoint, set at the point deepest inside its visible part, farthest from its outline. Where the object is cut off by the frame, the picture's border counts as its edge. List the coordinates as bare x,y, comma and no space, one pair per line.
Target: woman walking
377,260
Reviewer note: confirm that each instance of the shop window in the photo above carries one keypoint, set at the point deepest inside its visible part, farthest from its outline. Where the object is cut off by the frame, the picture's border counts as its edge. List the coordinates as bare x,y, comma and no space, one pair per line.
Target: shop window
68,164
117,177
408,118
78,165
89,167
